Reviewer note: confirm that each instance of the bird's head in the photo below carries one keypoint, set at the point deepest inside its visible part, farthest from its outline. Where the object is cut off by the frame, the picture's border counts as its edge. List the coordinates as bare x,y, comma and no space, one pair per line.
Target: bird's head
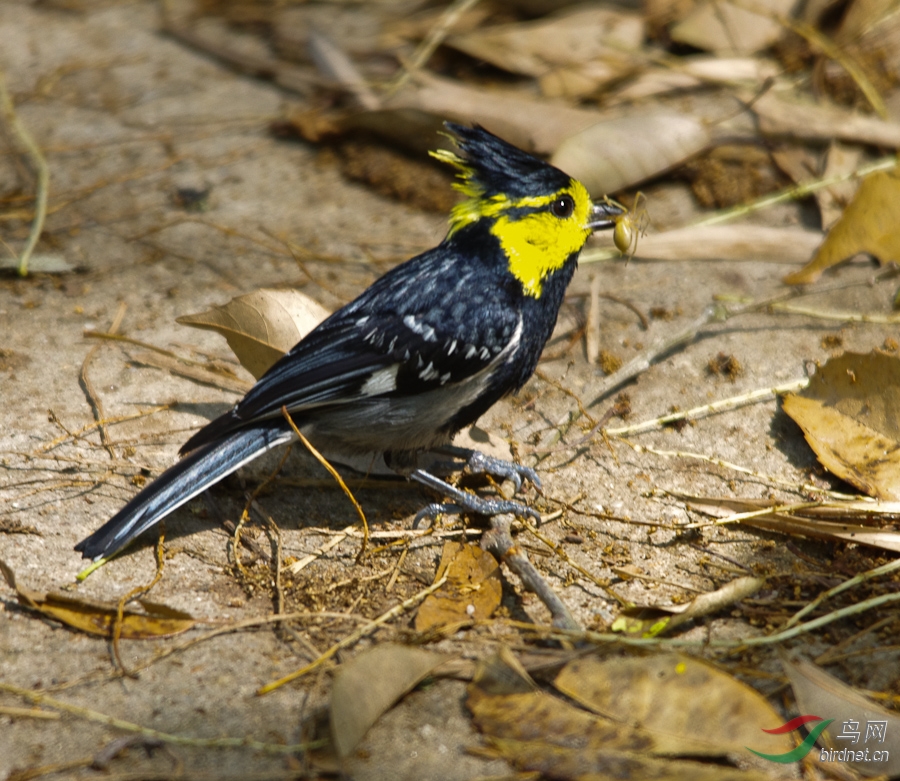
541,216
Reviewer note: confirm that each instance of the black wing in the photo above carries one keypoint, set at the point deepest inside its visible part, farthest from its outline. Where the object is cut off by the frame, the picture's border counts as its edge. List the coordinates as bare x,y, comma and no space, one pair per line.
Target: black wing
410,332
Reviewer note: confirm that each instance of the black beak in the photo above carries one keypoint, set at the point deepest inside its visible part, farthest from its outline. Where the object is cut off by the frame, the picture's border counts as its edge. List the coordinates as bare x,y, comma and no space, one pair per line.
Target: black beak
604,213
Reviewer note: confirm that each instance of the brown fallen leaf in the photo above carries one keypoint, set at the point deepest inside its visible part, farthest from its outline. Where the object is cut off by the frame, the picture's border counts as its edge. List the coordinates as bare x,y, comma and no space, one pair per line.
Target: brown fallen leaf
261,326
613,154
859,725
539,732
96,618
658,692
592,42
732,28
869,224
370,683
821,523
782,115
652,621
472,591
850,415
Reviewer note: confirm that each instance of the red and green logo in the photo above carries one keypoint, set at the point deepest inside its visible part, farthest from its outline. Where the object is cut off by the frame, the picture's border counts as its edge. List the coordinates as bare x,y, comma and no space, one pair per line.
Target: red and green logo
795,755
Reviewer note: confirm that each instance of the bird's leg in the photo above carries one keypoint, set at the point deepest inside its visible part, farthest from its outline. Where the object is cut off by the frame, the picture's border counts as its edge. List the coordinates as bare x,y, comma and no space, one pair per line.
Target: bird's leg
477,463
463,501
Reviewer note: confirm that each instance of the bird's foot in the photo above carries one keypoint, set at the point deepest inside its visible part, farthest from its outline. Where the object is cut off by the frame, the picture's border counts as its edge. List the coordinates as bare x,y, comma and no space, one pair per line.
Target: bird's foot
477,463
463,501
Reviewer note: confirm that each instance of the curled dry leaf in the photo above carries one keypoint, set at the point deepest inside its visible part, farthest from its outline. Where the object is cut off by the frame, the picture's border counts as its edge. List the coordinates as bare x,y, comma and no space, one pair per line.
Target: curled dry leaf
261,326
850,415
818,693
472,591
619,153
869,224
659,692
652,621
97,618
729,28
369,684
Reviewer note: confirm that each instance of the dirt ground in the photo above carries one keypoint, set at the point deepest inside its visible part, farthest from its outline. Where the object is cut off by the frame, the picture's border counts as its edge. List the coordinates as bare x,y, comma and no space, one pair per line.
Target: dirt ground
127,117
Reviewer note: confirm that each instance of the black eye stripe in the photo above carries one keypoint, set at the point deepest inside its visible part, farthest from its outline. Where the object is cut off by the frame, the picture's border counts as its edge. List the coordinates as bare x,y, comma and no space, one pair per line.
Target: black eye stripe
563,206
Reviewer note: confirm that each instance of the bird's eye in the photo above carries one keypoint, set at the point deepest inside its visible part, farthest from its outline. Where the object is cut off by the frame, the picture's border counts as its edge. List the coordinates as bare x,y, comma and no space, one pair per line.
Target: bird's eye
563,206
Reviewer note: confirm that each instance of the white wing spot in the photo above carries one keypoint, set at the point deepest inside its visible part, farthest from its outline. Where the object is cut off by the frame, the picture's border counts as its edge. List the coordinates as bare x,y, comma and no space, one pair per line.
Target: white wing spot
484,354
451,347
471,351
382,381
425,331
428,373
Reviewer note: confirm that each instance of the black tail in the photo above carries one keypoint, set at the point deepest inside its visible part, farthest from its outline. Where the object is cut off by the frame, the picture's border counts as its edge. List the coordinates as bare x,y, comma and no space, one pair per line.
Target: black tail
180,483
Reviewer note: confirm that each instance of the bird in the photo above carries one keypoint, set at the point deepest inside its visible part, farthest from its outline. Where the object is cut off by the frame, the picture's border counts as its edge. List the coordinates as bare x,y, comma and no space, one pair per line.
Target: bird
421,354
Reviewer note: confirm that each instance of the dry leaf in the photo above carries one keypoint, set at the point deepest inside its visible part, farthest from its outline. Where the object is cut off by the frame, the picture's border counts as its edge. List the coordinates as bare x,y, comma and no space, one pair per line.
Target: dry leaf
814,526
850,415
728,28
859,725
472,591
695,71
569,38
869,224
841,159
619,153
572,53
261,326
781,115
535,125
541,733
96,618
652,621
658,694
370,683
728,242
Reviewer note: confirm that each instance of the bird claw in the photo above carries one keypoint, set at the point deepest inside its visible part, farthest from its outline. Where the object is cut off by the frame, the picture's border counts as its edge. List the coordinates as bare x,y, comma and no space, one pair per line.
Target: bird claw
477,463
463,501
480,464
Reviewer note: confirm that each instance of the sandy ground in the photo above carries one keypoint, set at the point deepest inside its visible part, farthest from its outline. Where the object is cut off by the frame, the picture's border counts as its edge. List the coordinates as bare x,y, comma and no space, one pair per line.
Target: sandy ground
115,104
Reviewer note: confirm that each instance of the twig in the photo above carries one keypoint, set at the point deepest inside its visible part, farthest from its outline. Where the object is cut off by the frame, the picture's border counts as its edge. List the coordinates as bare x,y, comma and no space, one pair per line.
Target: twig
120,607
498,541
429,44
87,385
41,168
855,581
334,473
97,717
355,637
732,402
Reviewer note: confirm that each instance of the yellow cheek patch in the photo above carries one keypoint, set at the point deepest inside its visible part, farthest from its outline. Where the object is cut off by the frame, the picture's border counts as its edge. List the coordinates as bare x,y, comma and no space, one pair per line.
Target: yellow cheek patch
540,243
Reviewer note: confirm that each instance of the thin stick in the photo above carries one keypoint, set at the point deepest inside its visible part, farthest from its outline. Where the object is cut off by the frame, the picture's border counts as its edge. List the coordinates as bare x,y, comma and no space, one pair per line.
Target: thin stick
356,636
333,472
430,43
709,409
43,175
129,726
